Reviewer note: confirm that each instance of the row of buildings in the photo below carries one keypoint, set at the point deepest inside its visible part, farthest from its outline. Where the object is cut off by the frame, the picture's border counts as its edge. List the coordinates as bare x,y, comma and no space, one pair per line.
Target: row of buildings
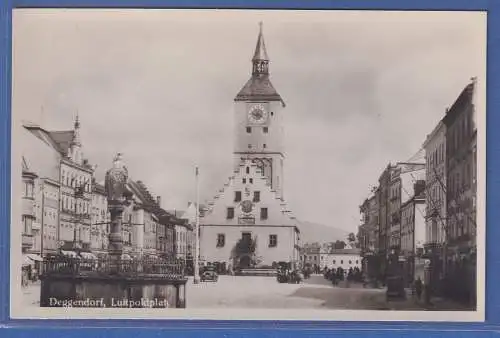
325,255
424,212
64,207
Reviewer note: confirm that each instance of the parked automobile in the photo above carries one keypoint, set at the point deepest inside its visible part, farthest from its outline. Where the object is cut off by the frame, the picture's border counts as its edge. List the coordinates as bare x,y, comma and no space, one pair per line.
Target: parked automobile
209,275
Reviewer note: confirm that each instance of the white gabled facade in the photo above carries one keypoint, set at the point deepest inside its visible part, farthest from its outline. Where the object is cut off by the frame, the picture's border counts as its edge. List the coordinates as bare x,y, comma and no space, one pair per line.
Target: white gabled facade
249,208
251,203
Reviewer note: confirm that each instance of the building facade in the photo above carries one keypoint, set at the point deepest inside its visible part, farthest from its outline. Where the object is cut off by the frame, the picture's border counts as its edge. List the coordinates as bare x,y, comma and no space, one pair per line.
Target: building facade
461,163
383,195
341,258
413,233
368,234
64,208
100,220
310,255
248,222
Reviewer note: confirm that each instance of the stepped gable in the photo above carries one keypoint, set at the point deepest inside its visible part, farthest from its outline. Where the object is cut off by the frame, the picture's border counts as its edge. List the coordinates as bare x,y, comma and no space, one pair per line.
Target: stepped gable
279,214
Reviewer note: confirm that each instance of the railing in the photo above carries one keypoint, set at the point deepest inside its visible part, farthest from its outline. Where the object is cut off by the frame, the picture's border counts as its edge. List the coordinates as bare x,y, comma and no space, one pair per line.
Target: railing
157,268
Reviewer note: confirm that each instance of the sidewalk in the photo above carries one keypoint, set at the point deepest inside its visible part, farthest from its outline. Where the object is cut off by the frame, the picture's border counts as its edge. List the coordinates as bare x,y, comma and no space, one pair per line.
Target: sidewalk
31,294
412,304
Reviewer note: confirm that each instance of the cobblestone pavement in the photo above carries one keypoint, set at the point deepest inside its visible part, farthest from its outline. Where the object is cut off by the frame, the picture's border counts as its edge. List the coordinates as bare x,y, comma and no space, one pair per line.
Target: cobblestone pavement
313,293
266,292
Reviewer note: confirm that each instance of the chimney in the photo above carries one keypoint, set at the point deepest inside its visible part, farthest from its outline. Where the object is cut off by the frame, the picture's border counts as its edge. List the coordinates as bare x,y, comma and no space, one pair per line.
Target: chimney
158,201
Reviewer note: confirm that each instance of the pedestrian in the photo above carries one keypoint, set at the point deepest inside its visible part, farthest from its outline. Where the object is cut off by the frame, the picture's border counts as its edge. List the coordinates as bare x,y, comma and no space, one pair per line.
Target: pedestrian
418,288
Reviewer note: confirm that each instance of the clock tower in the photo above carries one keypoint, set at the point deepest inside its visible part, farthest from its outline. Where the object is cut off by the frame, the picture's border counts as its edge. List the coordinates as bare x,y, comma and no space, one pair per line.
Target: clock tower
250,205
259,122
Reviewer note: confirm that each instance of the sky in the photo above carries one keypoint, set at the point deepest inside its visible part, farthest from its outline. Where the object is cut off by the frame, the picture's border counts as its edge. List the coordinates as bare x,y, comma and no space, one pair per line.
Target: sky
362,89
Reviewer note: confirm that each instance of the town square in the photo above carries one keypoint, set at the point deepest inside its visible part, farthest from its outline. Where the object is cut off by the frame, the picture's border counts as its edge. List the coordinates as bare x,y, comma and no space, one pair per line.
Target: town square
288,163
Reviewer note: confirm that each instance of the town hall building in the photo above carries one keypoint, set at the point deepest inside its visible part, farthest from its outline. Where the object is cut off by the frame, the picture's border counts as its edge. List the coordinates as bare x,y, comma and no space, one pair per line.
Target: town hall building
248,223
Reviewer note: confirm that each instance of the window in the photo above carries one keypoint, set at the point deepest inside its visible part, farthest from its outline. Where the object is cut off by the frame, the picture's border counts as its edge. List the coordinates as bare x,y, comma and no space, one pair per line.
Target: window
334,261
272,113
248,170
249,146
342,262
221,240
256,196
27,222
265,145
230,213
249,130
265,130
251,180
244,181
263,213
350,262
357,262
237,196
273,241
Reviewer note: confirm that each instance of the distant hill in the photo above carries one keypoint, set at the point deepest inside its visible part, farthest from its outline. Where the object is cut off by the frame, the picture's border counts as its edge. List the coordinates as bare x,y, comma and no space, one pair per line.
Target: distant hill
315,232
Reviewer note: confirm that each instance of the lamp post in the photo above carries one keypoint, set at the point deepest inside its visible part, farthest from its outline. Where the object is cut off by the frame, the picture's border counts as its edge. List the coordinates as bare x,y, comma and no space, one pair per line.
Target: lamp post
196,278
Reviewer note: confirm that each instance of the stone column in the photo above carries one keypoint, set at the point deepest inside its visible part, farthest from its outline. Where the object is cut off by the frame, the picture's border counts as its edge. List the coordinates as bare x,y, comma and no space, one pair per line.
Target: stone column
115,237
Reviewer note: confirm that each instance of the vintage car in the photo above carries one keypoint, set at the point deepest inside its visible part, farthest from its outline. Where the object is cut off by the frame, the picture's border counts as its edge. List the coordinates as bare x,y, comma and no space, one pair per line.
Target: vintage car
209,275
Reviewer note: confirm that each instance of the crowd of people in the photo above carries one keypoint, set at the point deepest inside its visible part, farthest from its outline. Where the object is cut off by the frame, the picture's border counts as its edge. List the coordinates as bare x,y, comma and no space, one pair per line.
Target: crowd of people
339,274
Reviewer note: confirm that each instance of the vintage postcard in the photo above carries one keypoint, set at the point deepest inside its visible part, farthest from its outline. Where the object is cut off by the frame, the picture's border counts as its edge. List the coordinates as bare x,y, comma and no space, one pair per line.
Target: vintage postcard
246,164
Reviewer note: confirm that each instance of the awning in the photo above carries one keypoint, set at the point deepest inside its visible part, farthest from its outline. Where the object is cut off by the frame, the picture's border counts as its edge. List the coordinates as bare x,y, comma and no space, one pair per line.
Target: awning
27,261
71,254
88,255
35,257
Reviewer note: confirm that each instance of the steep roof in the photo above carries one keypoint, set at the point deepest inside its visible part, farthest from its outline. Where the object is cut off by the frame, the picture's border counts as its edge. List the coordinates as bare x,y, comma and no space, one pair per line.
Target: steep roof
258,88
260,48
62,140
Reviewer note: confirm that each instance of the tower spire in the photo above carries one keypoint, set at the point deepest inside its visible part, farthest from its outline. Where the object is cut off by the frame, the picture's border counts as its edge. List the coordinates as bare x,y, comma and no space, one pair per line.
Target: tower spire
76,130
260,59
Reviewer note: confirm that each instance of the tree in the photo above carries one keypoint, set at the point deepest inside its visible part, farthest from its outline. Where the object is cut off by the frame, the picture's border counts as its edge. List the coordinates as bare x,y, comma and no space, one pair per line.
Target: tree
339,245
351,238
246,246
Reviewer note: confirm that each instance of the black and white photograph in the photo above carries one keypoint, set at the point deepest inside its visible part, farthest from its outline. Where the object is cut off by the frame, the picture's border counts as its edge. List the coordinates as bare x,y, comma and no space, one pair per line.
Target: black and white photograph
248,164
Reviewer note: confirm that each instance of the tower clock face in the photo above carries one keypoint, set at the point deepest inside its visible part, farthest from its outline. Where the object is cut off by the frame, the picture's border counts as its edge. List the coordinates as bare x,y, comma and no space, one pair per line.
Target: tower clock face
257,114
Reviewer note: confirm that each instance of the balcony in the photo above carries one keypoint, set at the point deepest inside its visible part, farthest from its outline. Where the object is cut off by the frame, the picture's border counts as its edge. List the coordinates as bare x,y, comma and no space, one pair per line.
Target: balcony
28,207
27,241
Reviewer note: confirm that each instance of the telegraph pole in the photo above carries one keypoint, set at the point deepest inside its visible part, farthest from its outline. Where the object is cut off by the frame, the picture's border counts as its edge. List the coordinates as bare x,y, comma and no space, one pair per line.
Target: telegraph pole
196,278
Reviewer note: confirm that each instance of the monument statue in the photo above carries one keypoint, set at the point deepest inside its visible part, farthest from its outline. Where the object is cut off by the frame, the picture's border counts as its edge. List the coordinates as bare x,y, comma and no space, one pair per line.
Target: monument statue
119,196
116,182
